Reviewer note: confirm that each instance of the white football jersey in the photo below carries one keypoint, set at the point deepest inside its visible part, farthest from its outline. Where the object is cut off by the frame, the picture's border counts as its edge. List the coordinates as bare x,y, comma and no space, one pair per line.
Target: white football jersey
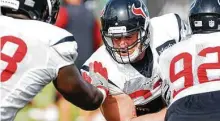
140,81
191,67
128,78
32,52
166,30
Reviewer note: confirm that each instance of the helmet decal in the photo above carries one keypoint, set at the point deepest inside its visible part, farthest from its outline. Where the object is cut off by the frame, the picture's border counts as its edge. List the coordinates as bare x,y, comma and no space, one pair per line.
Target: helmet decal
14,4
138,11
117,29
198,23
29,3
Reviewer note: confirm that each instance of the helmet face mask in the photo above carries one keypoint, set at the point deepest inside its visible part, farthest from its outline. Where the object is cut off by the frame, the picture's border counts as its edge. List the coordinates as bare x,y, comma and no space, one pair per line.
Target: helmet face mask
42,10
121,19
130,52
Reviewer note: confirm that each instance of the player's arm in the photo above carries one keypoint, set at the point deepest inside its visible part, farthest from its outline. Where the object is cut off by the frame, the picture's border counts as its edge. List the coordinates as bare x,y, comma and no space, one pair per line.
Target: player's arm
77,91
118,108
69,81
113,107
159,116
118,111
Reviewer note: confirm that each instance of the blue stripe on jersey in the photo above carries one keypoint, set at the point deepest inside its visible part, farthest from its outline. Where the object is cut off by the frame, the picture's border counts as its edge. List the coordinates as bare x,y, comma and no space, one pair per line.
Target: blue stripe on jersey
86,68
179,21
164,46
66,39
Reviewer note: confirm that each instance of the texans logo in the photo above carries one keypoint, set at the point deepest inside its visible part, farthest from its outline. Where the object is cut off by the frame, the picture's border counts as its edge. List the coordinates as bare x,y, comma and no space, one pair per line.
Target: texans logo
138,11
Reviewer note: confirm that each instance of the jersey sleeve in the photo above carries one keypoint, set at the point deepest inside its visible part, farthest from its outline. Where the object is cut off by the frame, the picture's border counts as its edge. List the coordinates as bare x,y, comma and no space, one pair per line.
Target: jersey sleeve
166,30
184,29
63,53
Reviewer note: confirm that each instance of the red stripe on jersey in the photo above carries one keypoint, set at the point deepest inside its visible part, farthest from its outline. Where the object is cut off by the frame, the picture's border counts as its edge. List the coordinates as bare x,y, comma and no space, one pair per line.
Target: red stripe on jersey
157,84
141,93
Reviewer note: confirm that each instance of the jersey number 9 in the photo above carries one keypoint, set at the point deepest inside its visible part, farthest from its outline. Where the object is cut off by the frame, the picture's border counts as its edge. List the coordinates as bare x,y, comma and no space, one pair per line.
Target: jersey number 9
187,72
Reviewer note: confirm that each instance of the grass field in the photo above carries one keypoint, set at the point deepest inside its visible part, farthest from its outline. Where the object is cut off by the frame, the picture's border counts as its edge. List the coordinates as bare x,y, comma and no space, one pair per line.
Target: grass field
42,101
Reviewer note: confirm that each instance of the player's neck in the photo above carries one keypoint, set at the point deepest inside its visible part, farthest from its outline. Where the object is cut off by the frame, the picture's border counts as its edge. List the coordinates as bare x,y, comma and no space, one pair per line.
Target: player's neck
140,57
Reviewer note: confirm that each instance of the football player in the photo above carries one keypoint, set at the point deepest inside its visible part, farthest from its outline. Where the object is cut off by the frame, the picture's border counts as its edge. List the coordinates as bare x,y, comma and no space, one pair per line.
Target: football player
134,82
34,52
191,69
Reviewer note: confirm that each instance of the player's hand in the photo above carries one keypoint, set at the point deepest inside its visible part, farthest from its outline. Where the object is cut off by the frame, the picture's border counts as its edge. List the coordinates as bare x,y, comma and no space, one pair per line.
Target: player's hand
98,76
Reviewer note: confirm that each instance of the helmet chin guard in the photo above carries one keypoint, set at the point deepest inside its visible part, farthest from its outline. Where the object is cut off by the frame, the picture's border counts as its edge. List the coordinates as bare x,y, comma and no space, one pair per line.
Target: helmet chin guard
138,47
130,58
